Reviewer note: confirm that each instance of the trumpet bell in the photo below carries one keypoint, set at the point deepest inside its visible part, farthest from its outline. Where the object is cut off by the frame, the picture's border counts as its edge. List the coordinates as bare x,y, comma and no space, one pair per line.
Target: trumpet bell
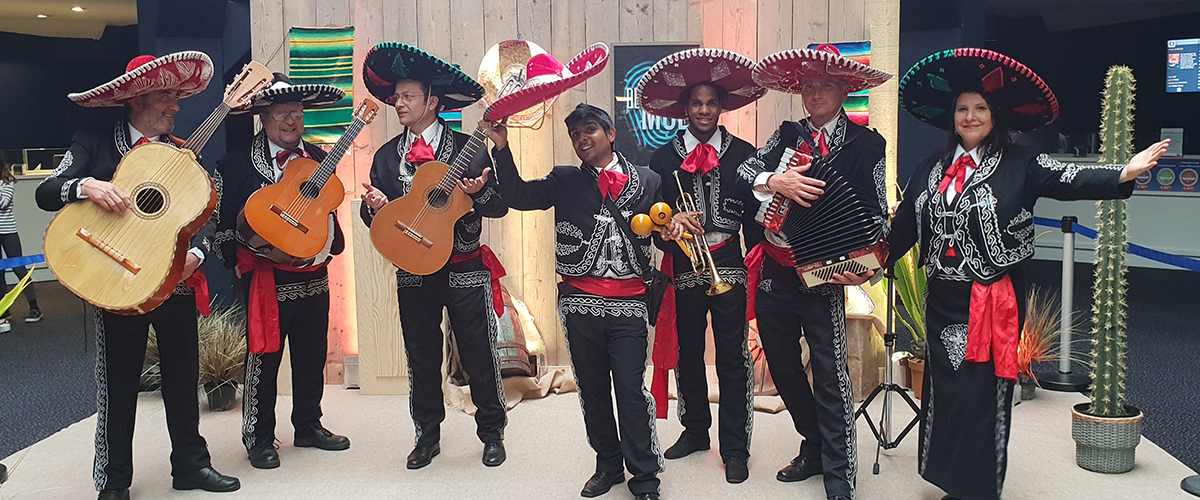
718,287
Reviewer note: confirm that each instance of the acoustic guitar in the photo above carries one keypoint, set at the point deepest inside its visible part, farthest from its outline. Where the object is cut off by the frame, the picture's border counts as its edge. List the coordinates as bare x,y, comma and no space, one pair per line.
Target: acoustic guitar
130,263
288,222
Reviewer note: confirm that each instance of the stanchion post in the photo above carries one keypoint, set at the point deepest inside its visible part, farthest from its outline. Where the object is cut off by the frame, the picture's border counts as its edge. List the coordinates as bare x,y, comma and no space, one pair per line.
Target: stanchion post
1064,379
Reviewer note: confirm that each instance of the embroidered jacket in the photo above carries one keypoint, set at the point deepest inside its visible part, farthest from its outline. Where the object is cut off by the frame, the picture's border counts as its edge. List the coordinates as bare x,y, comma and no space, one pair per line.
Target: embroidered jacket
589,242
725,200
96,154
990,224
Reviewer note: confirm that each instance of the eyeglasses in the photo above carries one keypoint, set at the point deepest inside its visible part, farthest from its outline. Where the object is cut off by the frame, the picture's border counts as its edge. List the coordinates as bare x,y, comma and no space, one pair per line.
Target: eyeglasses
407,98
824,87
282,116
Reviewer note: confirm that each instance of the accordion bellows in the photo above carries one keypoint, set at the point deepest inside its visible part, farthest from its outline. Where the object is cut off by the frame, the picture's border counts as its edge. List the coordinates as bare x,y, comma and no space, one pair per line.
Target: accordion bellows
839,233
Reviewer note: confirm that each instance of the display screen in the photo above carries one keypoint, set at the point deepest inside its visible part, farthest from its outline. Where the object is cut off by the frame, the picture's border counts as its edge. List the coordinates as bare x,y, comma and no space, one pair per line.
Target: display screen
1183,72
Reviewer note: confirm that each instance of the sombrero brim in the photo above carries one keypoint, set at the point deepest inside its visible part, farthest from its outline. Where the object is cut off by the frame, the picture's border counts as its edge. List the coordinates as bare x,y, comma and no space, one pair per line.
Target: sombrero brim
391,62
785,71
187,72
659,89
928,88
587,64
310,95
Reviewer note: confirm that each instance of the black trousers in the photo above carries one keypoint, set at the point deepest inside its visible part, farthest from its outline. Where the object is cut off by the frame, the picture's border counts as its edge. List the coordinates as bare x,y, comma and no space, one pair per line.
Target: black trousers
608,340
735,373
823,413
120,352
464,290
304,323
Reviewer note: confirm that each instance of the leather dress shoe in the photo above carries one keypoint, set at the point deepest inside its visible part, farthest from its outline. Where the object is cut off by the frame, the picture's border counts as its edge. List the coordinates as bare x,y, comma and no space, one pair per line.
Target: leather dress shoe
207,479
320,437
422,455
736,470
839,497
122,494
948,497
493,453
646,496
801,468
686,445
600,483
263,455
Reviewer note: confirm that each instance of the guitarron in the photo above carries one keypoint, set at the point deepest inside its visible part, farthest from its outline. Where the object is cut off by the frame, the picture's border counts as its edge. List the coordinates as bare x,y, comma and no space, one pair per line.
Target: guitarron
130,263
287,222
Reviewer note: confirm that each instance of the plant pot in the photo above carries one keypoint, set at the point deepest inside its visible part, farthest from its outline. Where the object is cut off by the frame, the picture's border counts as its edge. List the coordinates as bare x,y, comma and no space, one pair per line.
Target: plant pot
1028,388
916,368
221,397
1106,444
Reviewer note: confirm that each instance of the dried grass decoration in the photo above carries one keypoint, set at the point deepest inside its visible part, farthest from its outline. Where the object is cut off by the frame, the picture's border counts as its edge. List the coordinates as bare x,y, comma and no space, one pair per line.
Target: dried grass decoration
222,355
1042,328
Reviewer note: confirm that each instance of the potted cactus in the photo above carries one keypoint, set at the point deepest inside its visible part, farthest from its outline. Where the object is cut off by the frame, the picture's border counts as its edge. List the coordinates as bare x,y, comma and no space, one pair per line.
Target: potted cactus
1106,431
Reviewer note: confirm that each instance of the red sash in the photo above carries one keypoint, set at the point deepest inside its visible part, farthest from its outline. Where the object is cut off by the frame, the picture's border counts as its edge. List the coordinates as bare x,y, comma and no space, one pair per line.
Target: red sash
993,328
754,263
262,316
199,282
495,269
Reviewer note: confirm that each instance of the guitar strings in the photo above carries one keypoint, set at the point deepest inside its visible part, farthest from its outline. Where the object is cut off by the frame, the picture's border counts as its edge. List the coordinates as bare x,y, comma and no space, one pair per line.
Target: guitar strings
441,191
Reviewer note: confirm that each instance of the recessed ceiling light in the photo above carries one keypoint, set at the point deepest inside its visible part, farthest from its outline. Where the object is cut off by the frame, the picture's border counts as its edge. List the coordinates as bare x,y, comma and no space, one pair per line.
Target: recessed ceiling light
42,16
77,9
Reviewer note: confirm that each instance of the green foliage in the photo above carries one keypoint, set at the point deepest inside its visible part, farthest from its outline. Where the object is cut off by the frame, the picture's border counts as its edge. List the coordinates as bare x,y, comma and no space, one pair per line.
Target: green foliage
910,285
1109,308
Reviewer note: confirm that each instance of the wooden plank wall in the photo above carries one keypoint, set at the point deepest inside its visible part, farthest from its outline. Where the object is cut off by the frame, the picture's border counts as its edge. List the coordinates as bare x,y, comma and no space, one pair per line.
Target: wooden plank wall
461,31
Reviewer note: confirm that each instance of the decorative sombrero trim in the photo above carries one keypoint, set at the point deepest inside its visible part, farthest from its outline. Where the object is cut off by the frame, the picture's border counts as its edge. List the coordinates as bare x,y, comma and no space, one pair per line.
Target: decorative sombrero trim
1027,114
587,64
455,88
310,95
666,105
784,71
190,75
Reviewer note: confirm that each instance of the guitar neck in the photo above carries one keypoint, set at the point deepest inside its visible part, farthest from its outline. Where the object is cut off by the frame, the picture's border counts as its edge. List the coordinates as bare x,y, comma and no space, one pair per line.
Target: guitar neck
459,167
200,137
329,164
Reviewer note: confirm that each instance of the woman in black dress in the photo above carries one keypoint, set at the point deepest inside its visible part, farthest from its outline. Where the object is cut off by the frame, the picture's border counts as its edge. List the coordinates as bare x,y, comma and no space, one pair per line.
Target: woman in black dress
969,208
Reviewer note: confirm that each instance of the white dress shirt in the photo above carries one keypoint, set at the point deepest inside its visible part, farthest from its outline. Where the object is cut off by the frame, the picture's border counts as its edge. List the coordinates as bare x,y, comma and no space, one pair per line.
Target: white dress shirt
953,190
689,143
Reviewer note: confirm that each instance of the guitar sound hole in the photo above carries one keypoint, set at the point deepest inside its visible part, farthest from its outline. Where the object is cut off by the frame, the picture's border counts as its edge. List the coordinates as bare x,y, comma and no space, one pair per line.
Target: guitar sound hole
436,198
309,190
150,200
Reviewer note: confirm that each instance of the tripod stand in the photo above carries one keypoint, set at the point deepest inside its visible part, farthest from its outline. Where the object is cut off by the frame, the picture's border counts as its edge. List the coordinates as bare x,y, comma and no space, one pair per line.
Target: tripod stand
883,432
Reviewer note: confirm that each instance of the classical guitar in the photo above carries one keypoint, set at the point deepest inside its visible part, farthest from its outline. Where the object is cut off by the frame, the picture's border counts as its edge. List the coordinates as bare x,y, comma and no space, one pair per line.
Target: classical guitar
130,263
288,222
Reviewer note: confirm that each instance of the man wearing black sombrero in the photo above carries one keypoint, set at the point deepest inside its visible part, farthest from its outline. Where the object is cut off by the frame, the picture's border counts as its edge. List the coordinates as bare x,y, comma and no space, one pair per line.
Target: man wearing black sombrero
149,91
698,85
419,86
824,412
302,293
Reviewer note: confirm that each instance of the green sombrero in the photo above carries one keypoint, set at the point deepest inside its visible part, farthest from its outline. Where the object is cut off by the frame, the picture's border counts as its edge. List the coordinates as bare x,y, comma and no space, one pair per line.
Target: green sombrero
391,62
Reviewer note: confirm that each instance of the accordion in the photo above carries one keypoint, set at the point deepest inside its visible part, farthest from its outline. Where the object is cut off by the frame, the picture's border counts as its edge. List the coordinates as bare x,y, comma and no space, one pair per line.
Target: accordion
839,233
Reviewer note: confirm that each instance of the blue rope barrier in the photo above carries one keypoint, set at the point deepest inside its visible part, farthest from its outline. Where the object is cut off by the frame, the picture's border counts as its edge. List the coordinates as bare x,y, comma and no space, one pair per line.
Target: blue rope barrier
1166,258
27,260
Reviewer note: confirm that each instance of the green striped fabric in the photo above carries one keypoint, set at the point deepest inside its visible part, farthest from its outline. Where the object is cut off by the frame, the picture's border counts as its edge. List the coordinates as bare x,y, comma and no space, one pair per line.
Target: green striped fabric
324,55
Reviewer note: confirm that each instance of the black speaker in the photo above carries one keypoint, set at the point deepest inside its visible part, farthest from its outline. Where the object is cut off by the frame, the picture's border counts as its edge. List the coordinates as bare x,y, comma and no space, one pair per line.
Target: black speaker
191,18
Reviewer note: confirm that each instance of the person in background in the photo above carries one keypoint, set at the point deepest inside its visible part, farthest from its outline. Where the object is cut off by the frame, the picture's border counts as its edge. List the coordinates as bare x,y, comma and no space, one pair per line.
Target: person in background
10,243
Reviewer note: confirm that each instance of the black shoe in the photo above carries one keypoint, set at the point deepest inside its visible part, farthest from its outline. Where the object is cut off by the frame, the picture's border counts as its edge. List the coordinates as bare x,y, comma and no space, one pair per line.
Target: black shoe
122,494
600,483
207,479
263,455
646,496
320,437
736,470
839,497
493,453
422,455
35,315
801,468
686,445
948,497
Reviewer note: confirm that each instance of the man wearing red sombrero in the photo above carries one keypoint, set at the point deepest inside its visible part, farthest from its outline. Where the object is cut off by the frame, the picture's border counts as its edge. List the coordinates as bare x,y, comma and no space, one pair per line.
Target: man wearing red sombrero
419,86
698,85
824,412
149,91
300,295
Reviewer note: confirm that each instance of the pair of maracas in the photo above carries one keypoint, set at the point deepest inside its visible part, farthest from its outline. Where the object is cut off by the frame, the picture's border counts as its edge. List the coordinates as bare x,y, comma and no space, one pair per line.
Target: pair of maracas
658,220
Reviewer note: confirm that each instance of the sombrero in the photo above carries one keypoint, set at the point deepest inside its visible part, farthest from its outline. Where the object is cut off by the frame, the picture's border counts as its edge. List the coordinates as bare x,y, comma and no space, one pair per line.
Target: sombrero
187,72
659,89
390,62
928,89
546,78
311,95
784,71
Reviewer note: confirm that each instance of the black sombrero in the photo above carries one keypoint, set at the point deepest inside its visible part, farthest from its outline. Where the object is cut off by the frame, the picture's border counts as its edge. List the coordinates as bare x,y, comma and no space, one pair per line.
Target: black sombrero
928,88
311,95
659,89
390,62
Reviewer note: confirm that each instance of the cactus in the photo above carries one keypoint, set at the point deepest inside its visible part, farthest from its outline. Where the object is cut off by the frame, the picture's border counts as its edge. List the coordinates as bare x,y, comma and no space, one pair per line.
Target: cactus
1109,306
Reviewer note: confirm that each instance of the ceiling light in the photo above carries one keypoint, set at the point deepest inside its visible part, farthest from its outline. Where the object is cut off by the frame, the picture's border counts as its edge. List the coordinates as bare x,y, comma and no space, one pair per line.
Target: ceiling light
42,16
77,9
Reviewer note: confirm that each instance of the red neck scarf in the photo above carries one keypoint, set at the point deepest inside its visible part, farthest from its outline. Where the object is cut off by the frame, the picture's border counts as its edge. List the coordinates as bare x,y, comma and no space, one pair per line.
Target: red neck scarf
611,183
420,152
282,157
957,173
703,158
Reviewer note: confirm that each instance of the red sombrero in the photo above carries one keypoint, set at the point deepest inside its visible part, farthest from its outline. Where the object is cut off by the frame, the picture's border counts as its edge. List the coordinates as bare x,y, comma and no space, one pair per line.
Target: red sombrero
783,71
659,89
546,78
188,72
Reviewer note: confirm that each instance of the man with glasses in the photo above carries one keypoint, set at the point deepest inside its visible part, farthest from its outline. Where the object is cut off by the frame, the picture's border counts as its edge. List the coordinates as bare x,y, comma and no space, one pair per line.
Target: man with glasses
301,293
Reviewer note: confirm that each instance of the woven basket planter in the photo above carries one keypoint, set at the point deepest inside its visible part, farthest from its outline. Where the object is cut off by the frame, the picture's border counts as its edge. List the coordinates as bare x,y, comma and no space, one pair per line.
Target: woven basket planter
1106,444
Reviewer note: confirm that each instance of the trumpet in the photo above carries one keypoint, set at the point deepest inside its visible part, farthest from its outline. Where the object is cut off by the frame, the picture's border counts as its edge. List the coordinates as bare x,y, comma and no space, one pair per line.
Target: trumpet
700,255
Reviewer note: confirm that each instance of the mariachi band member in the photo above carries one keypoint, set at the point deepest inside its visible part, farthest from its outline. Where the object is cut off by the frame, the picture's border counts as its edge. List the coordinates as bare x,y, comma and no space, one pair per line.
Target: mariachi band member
824,413
419,86
698,85
968,208
602,298
299,295
149,91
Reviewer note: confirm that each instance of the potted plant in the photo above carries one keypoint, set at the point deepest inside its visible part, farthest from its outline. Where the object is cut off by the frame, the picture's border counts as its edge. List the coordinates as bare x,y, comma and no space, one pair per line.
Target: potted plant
1042,327
222,343
910,285
1106,431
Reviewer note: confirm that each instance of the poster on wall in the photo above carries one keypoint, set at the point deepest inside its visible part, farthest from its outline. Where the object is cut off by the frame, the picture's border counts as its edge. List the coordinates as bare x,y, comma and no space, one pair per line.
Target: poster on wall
1171,175
856,102
639,133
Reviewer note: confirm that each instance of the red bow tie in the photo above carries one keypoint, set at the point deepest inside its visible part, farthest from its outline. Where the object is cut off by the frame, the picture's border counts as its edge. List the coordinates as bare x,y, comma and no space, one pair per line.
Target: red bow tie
703,158
610,183
957,173
419,153
282,157
141,141
819,138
